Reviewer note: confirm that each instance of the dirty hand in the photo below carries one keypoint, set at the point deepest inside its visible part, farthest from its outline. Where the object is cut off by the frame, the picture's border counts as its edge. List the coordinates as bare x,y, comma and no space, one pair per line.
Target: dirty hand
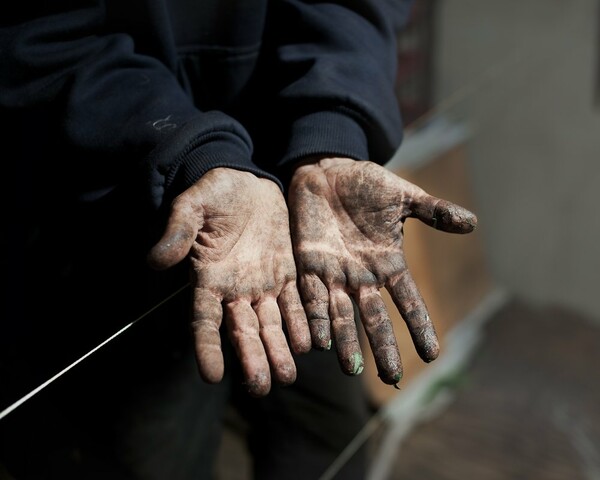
347,222
233,227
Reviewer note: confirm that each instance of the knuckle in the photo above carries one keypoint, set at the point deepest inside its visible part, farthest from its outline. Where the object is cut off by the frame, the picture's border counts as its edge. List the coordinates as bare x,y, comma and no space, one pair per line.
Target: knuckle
374,315
358,277
345,332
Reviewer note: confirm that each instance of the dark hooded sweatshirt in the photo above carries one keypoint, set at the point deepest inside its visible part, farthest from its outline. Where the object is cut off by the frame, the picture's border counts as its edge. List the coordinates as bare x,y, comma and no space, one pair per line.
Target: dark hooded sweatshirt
109,103
175,88
119,105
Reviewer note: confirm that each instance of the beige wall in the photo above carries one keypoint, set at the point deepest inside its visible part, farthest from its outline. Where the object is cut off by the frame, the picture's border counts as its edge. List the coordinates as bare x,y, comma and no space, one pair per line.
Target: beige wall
521,73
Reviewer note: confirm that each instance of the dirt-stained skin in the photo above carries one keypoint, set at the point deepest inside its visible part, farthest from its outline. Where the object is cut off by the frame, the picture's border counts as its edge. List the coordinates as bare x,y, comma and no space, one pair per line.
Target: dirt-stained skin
346,229
347,222
234,229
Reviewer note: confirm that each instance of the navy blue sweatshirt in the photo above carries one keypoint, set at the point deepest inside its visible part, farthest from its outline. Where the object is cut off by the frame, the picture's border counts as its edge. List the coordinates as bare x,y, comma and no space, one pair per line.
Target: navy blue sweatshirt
173,88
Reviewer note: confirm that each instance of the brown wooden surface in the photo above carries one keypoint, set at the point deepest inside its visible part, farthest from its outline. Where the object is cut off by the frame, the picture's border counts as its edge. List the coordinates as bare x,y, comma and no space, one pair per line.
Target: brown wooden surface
526,407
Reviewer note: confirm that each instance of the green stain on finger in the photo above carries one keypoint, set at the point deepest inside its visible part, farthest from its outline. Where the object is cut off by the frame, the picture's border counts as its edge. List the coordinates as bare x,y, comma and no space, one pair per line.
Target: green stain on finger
358,363
397,379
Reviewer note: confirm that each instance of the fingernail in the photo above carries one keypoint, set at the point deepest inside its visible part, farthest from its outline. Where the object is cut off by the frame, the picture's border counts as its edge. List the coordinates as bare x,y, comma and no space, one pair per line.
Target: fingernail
357,363
396,386
390,380
453,218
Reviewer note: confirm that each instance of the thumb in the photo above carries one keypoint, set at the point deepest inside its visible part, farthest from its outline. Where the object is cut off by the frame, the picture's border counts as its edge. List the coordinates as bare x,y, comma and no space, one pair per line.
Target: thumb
177,240
443,215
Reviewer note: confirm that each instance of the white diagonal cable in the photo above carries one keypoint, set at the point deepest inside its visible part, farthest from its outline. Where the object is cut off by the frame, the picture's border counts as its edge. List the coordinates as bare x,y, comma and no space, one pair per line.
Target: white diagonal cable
39,388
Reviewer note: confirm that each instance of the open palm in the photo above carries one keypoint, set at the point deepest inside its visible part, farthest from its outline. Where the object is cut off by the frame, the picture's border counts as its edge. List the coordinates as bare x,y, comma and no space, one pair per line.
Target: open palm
233,227
347,221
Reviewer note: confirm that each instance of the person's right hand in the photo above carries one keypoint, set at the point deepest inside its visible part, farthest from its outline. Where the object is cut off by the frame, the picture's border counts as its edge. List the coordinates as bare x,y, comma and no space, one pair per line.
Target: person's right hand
233,227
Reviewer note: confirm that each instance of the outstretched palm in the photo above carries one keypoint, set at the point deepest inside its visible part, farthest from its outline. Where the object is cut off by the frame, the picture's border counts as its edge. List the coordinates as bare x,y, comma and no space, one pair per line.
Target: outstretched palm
234,229
347,222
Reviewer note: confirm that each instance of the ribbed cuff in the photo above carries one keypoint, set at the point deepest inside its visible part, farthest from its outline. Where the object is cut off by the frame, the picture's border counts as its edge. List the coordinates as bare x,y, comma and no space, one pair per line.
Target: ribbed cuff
183,158
326,133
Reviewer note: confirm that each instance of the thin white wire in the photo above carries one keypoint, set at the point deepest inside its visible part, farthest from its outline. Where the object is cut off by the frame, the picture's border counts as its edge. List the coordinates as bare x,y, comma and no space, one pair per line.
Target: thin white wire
39,388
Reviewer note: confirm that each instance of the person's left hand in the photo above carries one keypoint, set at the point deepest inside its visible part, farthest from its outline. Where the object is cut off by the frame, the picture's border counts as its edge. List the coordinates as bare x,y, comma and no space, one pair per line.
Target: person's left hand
233,227
347,220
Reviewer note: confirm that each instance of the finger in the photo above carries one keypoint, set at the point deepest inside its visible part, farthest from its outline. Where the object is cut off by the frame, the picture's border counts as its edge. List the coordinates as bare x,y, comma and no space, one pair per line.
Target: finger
343,324
207,314
380,333
410,304
315,298
177,240
243,327
442,214
274,342
295,318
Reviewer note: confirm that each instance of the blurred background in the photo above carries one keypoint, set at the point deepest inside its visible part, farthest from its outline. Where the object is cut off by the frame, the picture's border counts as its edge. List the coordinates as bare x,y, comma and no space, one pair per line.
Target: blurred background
502,111
523,76
534,153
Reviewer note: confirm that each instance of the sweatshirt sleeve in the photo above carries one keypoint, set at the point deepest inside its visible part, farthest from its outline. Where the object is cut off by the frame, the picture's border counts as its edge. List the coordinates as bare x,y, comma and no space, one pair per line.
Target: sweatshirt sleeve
113,101
335,67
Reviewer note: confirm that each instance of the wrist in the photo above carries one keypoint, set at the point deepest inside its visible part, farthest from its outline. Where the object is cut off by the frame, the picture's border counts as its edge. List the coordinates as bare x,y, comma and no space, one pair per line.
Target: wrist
322,162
